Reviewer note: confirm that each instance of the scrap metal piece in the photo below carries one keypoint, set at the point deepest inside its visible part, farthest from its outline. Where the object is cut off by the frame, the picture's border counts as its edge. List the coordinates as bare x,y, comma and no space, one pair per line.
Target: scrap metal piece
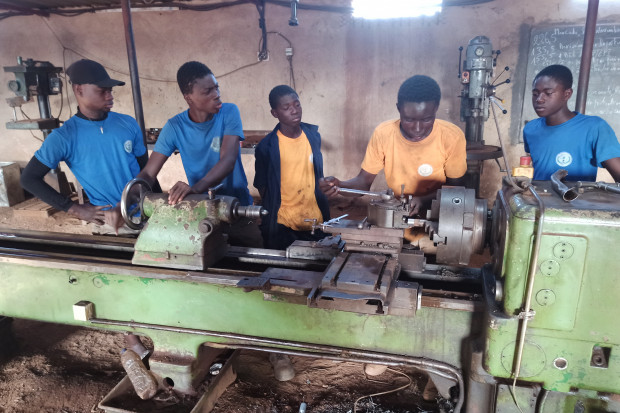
567,194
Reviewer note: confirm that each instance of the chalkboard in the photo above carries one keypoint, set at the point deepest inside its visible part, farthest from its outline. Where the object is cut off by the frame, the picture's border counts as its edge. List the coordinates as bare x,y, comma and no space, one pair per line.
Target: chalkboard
563,45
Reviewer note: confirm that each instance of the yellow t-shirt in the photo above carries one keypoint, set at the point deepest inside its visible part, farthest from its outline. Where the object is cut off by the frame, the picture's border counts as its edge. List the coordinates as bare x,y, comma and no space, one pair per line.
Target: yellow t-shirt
298,200
421,166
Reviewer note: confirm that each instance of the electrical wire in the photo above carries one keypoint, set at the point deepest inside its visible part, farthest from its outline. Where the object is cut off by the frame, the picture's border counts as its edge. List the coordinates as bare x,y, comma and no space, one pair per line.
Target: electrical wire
289,58
28,117
385,392
66,89
240,68
262,46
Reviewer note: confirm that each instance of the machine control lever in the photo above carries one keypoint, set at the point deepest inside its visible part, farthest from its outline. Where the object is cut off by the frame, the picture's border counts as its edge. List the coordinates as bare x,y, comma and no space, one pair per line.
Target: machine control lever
211,191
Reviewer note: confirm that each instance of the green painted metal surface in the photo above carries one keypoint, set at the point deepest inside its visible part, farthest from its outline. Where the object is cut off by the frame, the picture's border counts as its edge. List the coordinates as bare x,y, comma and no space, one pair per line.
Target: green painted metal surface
183,236
192,303
575,295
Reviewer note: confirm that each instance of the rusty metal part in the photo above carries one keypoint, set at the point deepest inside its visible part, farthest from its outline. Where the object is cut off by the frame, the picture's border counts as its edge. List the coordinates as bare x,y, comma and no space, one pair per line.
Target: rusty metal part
365,283
603,186
478,152
390,213
324,250
567,194
368,239
458,224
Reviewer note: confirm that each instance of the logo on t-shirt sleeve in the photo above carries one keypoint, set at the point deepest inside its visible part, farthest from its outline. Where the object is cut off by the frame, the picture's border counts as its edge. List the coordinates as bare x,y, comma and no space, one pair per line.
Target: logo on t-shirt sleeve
563,159
128,145
425,169
215,144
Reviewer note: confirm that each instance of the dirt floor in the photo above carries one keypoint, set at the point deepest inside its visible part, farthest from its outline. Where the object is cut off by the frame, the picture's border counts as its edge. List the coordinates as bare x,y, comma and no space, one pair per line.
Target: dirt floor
51,368
64,369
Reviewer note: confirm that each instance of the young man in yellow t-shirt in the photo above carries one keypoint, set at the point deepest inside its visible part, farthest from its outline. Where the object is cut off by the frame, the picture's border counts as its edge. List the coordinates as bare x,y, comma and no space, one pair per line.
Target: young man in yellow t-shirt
417,151
288,166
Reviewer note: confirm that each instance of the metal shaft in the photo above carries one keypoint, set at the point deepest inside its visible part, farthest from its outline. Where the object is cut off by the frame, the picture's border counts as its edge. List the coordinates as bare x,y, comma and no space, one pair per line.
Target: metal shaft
133,67
586,57
360,192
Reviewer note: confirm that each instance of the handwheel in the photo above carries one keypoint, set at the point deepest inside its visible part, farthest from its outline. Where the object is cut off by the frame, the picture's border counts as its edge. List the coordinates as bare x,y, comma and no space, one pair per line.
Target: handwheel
133,221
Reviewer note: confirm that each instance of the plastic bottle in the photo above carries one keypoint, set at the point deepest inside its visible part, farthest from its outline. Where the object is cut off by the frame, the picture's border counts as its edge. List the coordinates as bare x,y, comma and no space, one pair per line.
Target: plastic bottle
143,381
525,168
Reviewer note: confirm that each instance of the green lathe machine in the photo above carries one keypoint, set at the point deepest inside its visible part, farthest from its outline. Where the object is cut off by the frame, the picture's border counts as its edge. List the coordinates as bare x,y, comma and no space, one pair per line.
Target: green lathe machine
535,330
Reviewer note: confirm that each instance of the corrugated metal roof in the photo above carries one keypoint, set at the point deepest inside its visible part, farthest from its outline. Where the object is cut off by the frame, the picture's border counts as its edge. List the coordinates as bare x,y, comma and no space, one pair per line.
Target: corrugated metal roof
9,8
44,5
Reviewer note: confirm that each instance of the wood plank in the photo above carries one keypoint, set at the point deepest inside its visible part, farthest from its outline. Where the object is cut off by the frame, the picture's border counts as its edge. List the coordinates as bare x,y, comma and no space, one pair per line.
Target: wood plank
226,377
35,208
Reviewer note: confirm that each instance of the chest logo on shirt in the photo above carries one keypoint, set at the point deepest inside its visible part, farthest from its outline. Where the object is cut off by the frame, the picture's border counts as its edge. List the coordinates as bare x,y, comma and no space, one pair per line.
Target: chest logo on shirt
425,169
563,159
215,144
128,146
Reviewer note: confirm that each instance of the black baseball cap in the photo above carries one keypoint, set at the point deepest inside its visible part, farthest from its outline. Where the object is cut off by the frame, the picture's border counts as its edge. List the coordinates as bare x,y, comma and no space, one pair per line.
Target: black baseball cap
90,72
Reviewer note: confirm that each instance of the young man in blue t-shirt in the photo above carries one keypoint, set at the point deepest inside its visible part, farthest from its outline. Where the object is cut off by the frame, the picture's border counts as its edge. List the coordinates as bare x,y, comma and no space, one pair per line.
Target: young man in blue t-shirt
563,139
103,149
207,136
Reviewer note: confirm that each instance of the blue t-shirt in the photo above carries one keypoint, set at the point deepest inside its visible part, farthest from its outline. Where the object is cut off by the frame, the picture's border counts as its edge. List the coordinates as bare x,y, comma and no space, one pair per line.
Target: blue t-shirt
101,154
199,146
579,145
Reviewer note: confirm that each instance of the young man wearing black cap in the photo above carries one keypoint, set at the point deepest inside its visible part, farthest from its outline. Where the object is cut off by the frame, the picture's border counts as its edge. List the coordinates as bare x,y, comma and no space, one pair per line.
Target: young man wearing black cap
103,149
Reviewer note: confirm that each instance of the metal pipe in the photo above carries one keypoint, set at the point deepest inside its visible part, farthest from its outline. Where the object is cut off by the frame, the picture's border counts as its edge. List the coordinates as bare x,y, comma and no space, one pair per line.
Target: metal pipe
586,57
526,314
317,350
133,68
567,194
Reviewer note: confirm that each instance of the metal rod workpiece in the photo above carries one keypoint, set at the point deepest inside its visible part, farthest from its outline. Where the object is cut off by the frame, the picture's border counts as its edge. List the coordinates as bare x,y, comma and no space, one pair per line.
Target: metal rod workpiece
384,196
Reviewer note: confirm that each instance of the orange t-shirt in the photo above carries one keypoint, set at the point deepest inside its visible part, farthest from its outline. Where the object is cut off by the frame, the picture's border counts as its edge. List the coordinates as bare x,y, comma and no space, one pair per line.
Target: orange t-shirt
421,166
298,200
